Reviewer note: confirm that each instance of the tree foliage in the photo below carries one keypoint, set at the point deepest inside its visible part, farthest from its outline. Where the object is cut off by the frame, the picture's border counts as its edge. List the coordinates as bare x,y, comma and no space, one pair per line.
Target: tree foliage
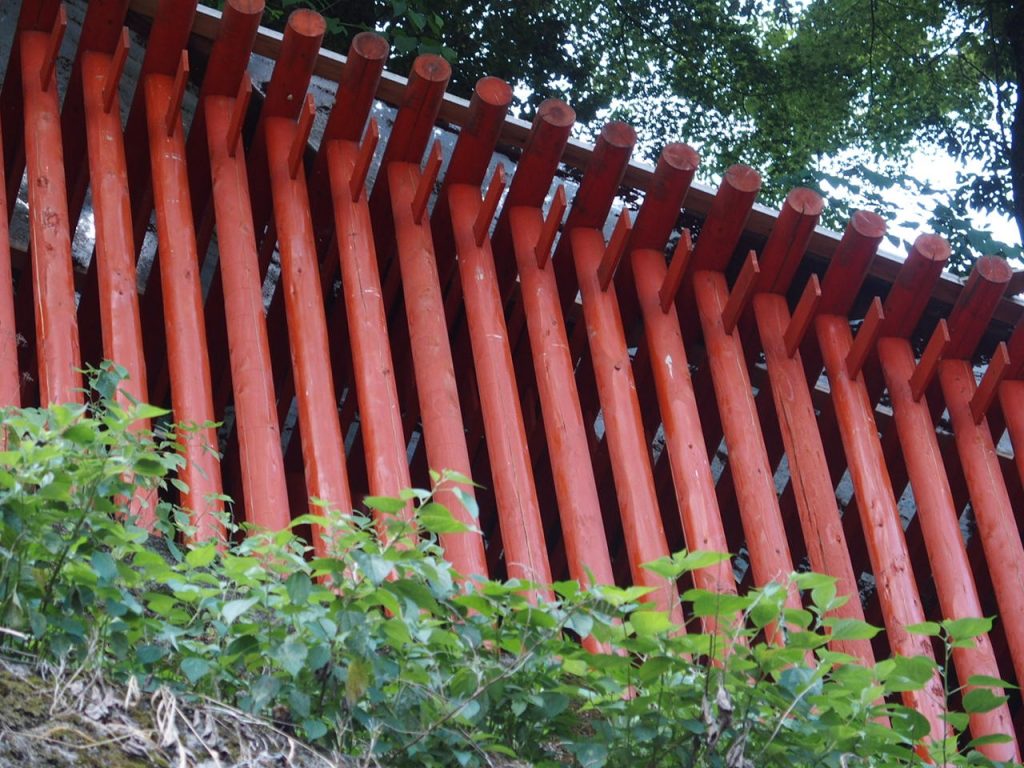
830,93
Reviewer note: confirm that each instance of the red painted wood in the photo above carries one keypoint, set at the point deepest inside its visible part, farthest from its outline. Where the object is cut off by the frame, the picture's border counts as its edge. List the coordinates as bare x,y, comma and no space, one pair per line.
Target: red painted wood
770,558
379,409
887,548
434,371
808,468
187,361
323,454
263,482
690,468
52,280
511,468
940,525
634,482
993,510
576,490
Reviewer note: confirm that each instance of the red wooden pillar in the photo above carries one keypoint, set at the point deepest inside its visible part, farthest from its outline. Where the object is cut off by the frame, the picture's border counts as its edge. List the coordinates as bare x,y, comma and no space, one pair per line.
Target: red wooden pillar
118,295
691,471
10,380
522,530
52,279
887,548
37,16
434,370
993,510
117,298
940,525
646,282
770,558
264,490
323,452
380,413
575,487
187,361
631,465
808,467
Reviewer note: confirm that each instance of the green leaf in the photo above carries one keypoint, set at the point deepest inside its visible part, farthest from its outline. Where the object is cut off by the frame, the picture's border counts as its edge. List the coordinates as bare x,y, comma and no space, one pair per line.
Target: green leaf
849,629
991,738
299,587
235,608
357,681
926,628
195,668
967,628
314,728
104,566
437,519
985,681
982,700
650,623
291,655
81,433
150,654
201,556
147,411
384,504
589,754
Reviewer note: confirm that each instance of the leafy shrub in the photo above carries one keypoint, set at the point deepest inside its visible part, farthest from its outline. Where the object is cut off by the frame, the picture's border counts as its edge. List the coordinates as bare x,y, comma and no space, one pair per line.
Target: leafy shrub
382,650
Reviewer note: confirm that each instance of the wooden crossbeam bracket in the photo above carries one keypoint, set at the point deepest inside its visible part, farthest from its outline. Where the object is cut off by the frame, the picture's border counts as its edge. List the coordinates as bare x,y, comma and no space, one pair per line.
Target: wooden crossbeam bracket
173,116
60,25
364,159
238,111
613,253
985,395
490,205
741,293
866,338
933,353
427,179
298,148
803,316
676,270
113,78
550,228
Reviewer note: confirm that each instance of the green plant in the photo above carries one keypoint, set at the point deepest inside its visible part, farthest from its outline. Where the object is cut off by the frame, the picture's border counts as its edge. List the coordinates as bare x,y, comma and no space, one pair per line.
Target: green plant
381,650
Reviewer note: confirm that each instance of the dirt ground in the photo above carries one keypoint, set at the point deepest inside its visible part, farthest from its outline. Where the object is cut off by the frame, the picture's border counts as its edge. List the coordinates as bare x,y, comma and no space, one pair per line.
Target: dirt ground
53,718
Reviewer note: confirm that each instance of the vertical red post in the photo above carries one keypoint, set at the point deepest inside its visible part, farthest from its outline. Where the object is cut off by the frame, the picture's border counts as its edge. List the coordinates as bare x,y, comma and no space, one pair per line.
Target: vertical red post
323,450
10,386
770,558
993,510
118,295
631,465
522,530
688,461
880,520
188,364
118,298
52,277
33,17
379,409
808,466
575,487
939,520
259,441
434,372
